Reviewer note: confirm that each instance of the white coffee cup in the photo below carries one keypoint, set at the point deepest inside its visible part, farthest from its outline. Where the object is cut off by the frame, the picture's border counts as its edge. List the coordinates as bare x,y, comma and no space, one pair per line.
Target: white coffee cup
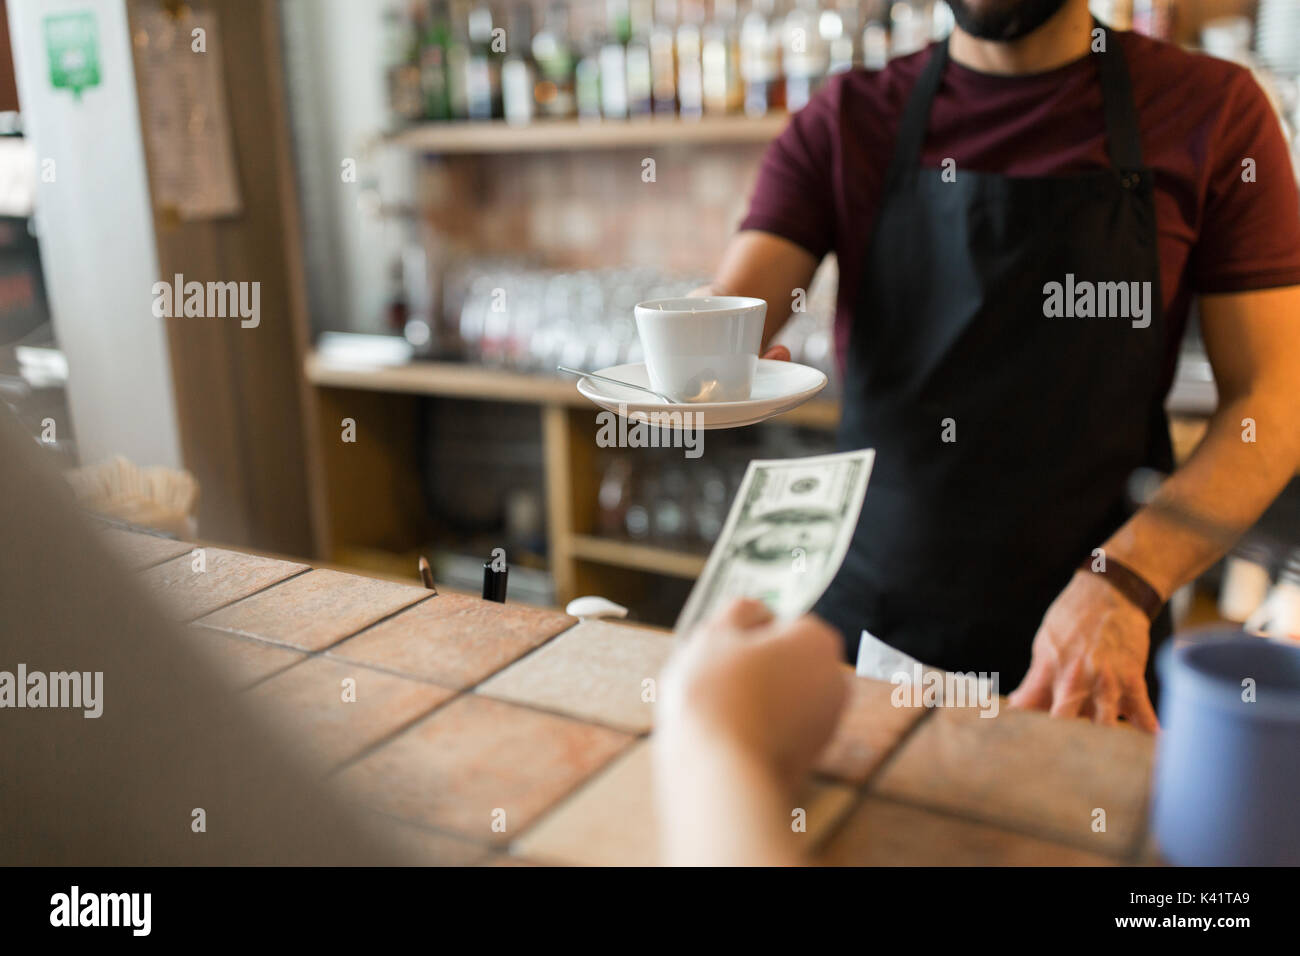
702,349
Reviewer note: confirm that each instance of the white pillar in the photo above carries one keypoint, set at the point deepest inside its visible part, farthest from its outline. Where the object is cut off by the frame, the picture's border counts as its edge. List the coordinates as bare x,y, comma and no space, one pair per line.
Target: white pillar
96,234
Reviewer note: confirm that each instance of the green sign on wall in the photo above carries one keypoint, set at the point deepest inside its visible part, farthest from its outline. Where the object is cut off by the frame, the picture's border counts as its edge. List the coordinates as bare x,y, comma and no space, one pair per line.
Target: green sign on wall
72,43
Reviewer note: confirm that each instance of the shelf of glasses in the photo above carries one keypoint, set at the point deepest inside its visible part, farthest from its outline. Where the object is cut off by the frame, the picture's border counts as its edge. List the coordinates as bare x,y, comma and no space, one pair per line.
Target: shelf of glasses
542,136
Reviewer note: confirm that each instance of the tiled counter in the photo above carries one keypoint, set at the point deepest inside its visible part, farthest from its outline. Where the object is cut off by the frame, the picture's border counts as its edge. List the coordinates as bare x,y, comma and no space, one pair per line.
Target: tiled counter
489,733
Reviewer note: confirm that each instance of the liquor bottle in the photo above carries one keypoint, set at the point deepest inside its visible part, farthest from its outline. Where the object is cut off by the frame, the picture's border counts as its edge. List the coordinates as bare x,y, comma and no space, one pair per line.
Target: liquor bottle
613,80
618,20
803,54
554,55
613,61
760,60
586,82
875,37
838,26
663,57
458,55
720,61
401,69
483,71
518,71
397,309
908,31
434,90
1155,18
690,78
614,495
640,70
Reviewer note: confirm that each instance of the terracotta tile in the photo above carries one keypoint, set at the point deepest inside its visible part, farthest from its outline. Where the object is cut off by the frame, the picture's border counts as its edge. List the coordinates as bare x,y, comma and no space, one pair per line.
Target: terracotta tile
418,846
611,820
475,756
453,640
137,550
826,804
240,659
308,701
594,671
870,727
884,833
187,594
316,609
1030,773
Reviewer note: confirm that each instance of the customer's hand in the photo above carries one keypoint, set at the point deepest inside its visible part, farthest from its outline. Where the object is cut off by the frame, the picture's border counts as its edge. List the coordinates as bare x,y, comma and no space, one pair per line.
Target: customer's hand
1089,658
773,691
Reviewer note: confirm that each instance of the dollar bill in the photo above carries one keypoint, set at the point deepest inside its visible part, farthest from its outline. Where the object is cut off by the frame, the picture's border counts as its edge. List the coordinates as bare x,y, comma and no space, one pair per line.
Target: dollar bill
786,535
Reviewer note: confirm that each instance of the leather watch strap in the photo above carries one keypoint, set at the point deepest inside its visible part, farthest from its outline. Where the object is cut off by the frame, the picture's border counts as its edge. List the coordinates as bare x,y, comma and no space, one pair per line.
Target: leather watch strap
1130,584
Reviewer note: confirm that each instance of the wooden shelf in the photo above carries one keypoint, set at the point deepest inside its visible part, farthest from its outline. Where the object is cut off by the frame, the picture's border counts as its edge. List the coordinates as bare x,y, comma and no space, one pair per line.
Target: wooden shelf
546,136
640,557
447,379
459,380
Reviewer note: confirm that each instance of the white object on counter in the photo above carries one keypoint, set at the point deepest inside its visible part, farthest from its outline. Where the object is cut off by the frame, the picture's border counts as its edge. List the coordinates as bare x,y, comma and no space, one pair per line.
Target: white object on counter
594,608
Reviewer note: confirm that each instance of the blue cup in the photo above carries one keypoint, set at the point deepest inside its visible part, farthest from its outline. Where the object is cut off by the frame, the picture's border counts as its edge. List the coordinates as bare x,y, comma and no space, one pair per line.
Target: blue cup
1227,775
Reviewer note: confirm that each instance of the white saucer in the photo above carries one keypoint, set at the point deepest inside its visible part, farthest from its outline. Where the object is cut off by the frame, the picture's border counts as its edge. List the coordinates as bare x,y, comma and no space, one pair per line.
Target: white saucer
778,387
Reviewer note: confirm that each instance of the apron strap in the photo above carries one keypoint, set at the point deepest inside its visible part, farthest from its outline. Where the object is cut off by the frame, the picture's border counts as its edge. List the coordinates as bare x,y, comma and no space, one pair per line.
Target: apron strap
1123,139
916,116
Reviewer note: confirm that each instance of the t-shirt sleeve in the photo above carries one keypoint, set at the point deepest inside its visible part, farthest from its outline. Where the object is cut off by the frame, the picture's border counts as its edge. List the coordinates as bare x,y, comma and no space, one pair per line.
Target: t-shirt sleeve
1250,232
793,197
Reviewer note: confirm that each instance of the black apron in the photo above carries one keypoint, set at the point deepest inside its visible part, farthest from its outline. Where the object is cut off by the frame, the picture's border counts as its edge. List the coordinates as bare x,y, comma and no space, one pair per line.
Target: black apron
963,544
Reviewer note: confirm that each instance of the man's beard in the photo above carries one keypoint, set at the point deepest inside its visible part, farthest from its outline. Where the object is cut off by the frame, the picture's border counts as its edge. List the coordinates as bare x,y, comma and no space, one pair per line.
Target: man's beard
1004,20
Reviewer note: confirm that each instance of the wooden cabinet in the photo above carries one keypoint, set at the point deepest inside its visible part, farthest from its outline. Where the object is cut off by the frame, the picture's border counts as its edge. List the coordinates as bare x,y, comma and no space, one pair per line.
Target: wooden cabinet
374,509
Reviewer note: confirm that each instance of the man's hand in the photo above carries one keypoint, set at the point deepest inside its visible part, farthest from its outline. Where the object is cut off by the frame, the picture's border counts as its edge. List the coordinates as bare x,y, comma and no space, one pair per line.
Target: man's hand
773,691
1089,658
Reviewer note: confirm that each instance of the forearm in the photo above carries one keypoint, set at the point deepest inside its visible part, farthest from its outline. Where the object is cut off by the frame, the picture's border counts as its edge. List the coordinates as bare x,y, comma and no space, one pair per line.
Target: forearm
719,805
778,309
1227,482
765,267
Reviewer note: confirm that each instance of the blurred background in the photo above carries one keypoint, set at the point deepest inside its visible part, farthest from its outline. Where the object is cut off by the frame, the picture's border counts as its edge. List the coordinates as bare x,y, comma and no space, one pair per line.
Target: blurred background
438,201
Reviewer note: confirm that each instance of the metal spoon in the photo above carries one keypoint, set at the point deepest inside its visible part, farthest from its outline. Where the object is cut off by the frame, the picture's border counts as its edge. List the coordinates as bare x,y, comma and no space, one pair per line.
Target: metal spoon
615,381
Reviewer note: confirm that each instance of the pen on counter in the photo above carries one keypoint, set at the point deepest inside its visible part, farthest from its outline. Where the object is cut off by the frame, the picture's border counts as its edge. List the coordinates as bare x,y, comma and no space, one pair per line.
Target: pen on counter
426,575
494,580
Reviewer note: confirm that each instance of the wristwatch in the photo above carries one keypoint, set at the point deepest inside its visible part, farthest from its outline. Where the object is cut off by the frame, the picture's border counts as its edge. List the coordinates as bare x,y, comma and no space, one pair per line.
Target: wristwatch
1130,584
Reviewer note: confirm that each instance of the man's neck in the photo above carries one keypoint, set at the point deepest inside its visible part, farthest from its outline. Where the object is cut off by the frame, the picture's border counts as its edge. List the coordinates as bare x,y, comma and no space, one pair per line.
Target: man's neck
1065,37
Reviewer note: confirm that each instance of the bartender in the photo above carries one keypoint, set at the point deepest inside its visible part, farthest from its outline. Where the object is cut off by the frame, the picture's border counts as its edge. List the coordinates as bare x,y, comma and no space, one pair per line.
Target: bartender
1023,216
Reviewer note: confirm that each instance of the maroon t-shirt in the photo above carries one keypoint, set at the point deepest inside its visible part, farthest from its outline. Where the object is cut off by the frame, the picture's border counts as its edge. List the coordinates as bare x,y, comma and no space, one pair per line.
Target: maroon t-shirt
821,180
